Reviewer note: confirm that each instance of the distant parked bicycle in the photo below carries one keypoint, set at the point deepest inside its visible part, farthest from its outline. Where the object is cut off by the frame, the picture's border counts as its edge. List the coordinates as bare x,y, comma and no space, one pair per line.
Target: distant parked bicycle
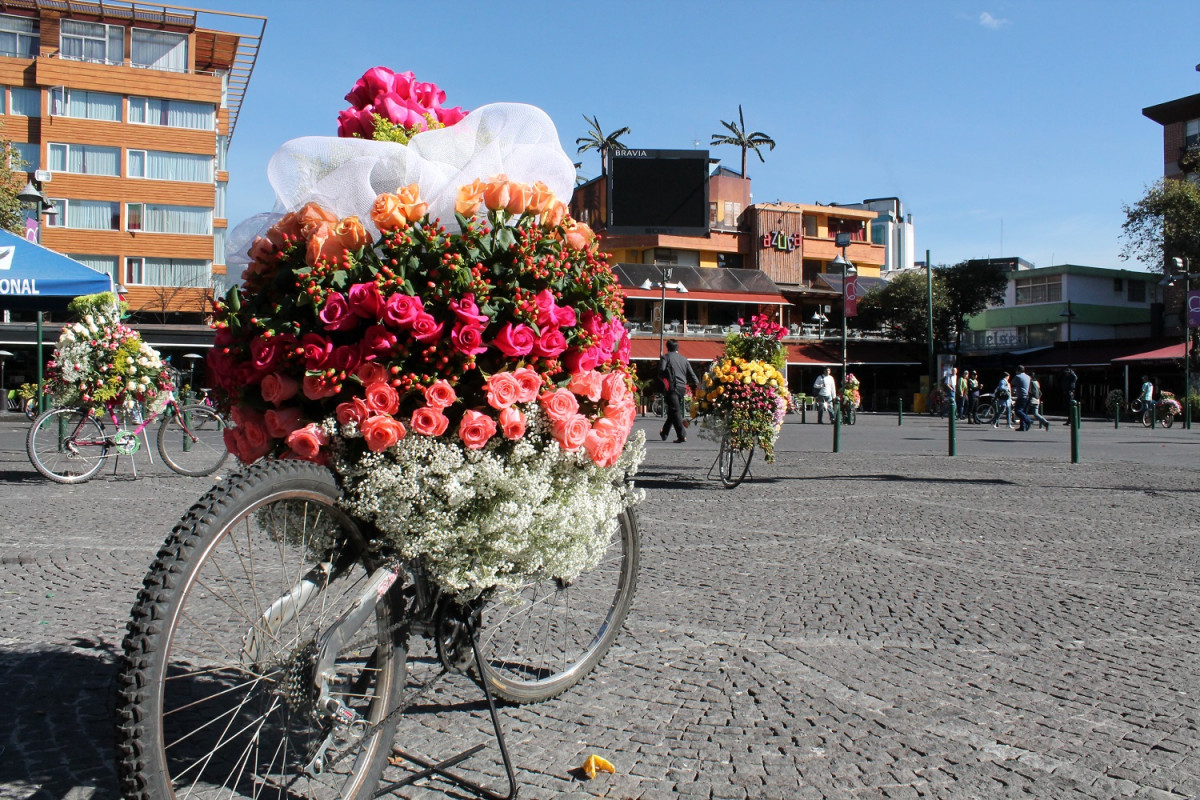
1162,411
69,445
935,402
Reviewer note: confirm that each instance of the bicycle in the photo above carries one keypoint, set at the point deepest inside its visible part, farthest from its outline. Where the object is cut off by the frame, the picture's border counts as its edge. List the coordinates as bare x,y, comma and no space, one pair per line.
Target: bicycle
69,445
1162,411
849,411
266,654
935,402
733,458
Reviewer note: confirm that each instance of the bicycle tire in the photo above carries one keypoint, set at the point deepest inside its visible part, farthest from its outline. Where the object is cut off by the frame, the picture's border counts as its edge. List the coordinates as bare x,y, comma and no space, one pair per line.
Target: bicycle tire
194,446
985,414
733,463
851,415
216,695
60,459
540,640
1147,417
1167,420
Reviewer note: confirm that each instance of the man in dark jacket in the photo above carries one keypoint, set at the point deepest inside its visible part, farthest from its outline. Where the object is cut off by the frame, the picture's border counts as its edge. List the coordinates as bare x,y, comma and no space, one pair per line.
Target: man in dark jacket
675,375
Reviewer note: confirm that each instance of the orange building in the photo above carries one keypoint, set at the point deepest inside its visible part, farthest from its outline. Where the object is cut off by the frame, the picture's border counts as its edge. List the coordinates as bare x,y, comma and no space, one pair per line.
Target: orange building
123,113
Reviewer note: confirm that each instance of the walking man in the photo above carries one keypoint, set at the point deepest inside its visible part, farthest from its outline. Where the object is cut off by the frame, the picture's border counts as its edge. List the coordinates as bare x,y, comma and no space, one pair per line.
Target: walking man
1020,393
826,389
676,375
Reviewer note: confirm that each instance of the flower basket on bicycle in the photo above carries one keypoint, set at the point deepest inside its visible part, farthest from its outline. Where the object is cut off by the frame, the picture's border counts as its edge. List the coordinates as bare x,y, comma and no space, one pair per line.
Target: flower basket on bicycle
428,372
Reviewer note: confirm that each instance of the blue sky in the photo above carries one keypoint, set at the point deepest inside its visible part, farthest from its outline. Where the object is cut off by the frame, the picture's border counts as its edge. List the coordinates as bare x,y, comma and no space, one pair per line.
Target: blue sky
1007,127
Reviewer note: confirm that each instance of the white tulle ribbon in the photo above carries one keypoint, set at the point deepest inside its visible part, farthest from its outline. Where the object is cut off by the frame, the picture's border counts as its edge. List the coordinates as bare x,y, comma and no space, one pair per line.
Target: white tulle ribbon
346,175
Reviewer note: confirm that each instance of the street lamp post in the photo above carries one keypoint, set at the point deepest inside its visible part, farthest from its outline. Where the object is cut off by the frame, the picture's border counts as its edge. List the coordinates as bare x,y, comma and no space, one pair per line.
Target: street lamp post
663,284
1184,265
820,319
848,271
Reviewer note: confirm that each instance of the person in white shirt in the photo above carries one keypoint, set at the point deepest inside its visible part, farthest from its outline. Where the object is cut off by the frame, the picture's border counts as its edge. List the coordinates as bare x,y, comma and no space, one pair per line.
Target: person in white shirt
826,389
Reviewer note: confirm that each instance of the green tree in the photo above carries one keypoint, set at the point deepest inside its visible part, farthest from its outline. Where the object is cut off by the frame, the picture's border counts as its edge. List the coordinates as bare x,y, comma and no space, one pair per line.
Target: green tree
967,290
600,141
1163,224
738,137
12,181
901,308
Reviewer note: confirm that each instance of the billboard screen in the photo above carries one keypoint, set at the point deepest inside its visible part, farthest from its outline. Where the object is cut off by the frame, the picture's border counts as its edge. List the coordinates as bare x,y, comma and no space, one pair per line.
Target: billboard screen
658,192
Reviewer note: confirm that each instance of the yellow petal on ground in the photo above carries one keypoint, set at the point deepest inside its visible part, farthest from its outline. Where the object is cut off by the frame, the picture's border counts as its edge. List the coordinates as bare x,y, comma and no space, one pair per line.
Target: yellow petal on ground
595,764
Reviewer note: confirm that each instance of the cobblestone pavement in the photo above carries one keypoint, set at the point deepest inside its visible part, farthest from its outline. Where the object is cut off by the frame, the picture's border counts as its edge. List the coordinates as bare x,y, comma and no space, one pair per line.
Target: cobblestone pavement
880,622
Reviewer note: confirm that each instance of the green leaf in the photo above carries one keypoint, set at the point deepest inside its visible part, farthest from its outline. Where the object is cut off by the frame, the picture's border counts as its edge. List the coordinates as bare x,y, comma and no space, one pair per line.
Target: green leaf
505,238
233,299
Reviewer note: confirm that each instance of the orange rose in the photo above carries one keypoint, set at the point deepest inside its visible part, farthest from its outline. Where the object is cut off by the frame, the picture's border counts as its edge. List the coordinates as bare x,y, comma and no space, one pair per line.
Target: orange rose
559,405
351,233
321,244
579,235
310,217
519,197
553,214
541,199
495,193
475,429
382,432
288,227
387,213
410,201
469,198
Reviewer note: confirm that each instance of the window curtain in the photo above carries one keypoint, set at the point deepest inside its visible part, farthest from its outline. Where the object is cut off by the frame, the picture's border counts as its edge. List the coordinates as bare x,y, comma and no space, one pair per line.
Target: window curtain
18,36
176,272
137,164
95,215
179,167
171,113
177,219
159,50
25,102
85,159
219,246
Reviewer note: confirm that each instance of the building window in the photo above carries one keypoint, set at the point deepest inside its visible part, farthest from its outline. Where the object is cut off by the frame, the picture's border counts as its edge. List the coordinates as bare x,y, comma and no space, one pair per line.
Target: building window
94,215
84,159
810,225
219,246
1136,292
171,113
25,156
158,50
155,218
1191,133
222,152
18,36
219,201
92,41
81,104
162,166
25,102
1042,289
169,271
1118,285
105,264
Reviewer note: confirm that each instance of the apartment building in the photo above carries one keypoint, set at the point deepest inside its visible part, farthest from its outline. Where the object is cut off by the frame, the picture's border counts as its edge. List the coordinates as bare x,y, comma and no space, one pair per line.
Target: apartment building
123,113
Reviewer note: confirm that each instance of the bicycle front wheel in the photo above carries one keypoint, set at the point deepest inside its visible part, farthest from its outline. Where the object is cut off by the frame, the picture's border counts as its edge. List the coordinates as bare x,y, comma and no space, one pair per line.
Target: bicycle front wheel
543,638
218,691
985,413
733,463
1147,417
192,442
66,445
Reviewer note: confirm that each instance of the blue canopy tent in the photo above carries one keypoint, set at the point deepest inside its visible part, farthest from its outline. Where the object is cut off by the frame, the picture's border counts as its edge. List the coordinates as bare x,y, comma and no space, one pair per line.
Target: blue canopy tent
33,278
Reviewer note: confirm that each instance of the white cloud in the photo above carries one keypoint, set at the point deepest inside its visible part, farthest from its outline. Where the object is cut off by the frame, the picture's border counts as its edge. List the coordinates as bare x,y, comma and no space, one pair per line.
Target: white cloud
993,23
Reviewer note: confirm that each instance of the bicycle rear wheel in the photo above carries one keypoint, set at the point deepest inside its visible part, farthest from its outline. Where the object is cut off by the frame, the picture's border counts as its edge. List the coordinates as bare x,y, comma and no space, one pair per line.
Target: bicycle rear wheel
195,444
66,445
985,413
217,691
733,463
540,640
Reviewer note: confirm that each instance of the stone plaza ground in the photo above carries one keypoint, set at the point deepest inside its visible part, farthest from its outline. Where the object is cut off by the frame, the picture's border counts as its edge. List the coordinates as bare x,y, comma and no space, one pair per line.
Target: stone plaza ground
886,621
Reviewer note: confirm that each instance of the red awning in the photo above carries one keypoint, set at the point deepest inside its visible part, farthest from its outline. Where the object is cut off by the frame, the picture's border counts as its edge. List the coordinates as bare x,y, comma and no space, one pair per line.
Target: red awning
1168,353
692,350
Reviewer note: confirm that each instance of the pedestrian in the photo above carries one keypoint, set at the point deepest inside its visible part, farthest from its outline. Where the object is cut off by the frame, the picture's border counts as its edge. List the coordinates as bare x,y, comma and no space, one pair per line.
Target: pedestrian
1035,402
1003,397
1070,381
974,387
1147,395
825,388
676,376
1020,398
960,393
950,385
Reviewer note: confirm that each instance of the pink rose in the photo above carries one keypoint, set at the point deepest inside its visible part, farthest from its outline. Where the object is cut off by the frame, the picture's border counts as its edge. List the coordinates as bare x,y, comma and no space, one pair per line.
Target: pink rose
426,329
530,383
449,116
317,350
365,300
588,384
624,348
502,390
622,415
465,311
515,340
316,387
564,317
356,411
429,421
374,82
401,309
550,344
381,398
279,422
345,358
356,122
603,448
544,300
615,389
512,423
476,429
468,339
577,360
371,372
307,442
267,351
440,394
278,388
382,432
559,404
377,341
571,432
335,313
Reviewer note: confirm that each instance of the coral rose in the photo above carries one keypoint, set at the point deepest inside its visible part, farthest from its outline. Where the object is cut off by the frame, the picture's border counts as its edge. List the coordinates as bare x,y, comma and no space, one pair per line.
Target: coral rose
588,384
429,421
307,442
476,429
382,398
382,432
559,404
502,390
512,423
604,448
316,387
371,372
615,388
440,394
282,421
255,441
530,383
355,410
278,388
571,432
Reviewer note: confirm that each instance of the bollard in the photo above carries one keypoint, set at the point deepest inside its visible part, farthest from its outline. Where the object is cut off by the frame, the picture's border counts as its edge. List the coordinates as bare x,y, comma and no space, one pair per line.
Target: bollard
899,411
837,426
1074,412
803,413
952,446
1153,415
1117,417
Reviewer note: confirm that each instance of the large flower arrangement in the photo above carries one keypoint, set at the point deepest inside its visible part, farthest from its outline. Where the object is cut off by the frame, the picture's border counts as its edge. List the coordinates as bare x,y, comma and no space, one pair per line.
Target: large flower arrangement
472,390
99,362
850,390
744,392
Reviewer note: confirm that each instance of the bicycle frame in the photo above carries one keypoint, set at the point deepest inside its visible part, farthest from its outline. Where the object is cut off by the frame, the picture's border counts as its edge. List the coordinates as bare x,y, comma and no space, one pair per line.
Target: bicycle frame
118,440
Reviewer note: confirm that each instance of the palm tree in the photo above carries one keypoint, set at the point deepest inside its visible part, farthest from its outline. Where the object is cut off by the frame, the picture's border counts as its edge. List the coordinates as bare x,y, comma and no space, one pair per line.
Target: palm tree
738,137
597,140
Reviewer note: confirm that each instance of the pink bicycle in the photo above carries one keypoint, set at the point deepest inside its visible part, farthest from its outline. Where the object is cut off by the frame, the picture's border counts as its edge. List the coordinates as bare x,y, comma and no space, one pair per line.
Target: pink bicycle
69,445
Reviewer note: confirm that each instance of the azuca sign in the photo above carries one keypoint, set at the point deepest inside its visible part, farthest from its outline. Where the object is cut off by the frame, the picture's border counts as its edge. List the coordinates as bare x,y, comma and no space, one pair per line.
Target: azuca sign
19,286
